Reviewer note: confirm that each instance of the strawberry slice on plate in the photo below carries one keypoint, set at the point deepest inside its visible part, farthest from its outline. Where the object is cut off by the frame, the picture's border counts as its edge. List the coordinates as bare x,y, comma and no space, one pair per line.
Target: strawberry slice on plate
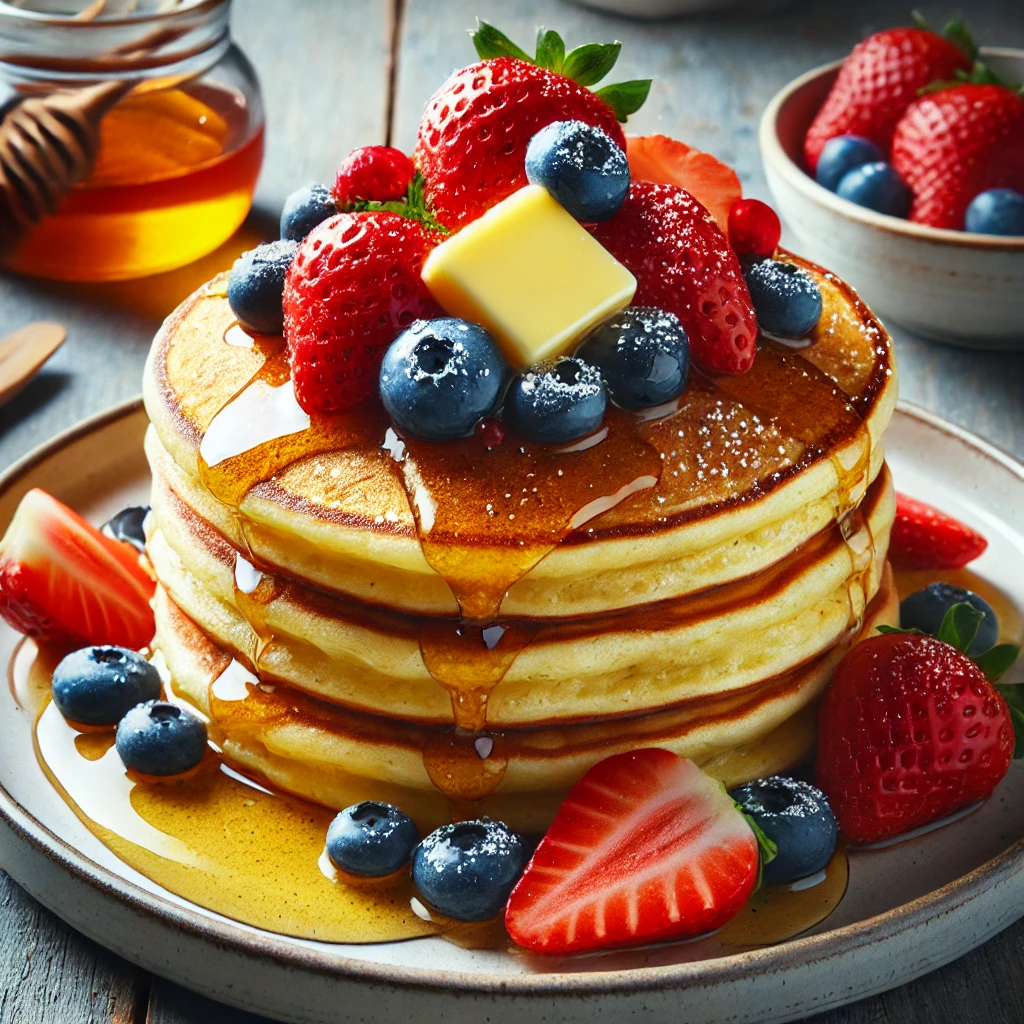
62,581
646,847
664,161
925,538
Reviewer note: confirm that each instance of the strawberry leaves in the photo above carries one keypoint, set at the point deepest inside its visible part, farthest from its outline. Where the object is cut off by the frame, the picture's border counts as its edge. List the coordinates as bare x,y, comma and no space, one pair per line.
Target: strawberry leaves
414,206
958,628
767,848
586,65
955,31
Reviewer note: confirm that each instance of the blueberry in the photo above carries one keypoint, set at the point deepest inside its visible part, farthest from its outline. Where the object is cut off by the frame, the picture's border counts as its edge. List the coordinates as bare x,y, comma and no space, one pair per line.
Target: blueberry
842,154
304,209
925,609
159,738
797,818
557,401
441,377
97,685
643,355
467,870
996,211
257,284
786,298
878,187
371,839
581,167
126,526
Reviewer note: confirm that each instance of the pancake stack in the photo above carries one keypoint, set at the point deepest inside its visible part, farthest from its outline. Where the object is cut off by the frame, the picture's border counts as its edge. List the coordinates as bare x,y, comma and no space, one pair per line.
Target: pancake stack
458,630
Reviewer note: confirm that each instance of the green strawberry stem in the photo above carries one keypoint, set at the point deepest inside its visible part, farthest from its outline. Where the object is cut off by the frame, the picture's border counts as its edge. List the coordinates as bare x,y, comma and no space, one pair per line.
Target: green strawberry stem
586,65
955,31
958,628
414,206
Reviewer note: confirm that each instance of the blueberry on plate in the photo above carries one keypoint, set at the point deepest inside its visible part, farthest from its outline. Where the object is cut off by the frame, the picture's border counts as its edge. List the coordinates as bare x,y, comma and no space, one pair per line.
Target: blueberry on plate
97,685
304,209
557,401
925,609
126,526
996,211
256,285
842,154
796,817
160,738
371,839
878,187
440,378
643,355
581,167
786,298
467,870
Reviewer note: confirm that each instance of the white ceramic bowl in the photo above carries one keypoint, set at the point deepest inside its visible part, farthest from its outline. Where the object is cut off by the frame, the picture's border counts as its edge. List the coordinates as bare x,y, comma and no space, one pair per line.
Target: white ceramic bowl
952,286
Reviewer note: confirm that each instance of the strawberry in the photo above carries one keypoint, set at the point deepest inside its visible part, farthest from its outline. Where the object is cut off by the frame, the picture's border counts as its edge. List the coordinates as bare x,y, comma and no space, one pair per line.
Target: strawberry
880,79
754,229
374,173
353,286
475,129
62,581
684,265
665,161
925,538
911,729
645,847
954,143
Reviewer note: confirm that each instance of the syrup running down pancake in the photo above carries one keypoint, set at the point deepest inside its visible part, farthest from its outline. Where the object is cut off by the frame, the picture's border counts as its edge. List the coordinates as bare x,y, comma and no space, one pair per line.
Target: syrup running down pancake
448,624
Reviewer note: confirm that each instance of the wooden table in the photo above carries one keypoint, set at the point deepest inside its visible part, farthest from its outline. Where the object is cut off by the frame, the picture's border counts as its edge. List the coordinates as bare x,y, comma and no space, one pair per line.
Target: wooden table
337,75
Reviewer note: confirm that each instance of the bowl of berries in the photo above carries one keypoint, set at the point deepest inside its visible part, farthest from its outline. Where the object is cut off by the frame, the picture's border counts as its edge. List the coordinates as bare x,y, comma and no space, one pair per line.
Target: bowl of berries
902,169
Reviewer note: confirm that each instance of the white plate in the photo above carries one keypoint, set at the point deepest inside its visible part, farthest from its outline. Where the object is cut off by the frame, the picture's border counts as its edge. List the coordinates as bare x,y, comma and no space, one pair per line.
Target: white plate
909,908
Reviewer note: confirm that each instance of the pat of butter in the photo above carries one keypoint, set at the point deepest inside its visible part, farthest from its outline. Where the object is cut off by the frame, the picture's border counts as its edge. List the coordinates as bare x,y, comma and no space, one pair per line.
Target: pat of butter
529,273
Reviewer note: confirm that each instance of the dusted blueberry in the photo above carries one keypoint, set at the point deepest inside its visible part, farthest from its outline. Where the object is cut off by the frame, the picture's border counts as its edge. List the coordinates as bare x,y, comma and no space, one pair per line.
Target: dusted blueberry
785,297
796,817
996,211
643,355
371,839
97,685
558,401
842,154
467,870
160,738
440,378
925,610
304,209
126,526
878,187
256,285
581,167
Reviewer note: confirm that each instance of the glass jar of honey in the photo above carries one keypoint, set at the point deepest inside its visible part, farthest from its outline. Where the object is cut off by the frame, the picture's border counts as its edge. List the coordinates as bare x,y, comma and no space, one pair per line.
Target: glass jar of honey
131,138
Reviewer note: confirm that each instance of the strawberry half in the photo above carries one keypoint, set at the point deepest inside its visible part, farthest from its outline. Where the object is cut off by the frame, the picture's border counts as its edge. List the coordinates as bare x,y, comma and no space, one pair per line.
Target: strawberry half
684,264
925,538
62,581
645,847
472,140
664,161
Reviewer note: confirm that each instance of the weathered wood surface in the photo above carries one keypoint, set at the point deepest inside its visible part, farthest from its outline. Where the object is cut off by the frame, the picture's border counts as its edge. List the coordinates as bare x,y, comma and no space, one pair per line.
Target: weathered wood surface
326,68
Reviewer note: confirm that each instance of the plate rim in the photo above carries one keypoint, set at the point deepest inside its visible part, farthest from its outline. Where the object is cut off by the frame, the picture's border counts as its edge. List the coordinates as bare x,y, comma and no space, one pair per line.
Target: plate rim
715,971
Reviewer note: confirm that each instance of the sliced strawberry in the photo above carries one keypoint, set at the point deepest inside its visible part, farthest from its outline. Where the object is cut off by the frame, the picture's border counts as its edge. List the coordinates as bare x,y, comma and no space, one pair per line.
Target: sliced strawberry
665,161
925,538
62,580
645,847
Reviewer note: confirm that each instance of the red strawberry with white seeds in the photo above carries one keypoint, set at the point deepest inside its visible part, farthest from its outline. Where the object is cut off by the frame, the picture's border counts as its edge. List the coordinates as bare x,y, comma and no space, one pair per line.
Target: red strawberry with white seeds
910,731
62,581
925,538
376,173
646,847
956,142
353,286
684,264
472,140
880,79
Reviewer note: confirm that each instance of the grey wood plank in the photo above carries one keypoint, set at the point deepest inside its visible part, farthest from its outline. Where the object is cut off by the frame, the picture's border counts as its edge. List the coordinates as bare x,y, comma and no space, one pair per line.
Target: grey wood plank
171,1004
51,975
